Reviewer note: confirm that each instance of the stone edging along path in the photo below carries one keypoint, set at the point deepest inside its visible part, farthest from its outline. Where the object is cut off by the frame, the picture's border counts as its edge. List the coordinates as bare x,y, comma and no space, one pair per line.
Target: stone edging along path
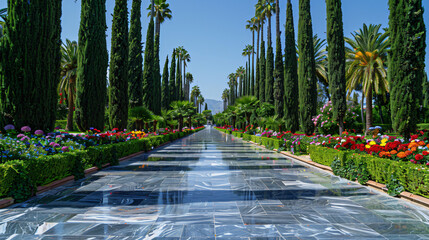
6,202
378,186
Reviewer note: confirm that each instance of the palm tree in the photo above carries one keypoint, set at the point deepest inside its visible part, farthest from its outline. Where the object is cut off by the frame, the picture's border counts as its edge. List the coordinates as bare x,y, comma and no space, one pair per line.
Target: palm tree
200,102
247,51
365,65
194,94
180,109
225,95
239,73
266,9
232,88
67,83
246,105
186,58
274,122
260,14
252,26
231,113
140,115
162,12
189,79
179,53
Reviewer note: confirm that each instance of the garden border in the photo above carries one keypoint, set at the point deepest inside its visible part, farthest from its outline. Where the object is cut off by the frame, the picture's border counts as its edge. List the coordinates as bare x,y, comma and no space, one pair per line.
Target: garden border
8,201
416,199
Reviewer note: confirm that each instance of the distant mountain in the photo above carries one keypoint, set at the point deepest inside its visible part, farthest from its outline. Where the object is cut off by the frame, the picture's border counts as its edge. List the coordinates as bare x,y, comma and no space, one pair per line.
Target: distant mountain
214,105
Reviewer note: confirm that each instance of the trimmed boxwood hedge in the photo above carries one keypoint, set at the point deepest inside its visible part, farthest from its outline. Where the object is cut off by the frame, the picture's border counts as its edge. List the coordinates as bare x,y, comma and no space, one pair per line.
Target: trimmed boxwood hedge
19,178
414,178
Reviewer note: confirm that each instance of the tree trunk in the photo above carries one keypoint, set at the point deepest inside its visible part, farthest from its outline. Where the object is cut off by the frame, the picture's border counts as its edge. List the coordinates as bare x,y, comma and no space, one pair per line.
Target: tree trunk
380,108
147,126
368,109
180,123
154,125
185,82
69,126
190,122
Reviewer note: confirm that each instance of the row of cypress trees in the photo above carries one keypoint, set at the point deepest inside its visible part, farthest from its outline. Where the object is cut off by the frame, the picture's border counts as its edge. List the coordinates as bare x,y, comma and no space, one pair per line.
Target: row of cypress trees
292,90
30,64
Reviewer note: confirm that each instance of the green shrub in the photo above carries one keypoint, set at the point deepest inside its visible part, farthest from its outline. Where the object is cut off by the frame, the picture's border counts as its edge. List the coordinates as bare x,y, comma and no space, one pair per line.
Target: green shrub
247,137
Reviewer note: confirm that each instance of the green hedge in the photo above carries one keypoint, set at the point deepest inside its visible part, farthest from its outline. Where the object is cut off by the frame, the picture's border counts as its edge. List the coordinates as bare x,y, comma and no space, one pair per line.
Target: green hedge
19,178
414,178
63,123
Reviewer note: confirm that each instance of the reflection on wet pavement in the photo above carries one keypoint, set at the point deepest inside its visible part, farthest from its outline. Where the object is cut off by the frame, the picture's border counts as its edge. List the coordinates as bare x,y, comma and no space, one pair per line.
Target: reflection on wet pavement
208,186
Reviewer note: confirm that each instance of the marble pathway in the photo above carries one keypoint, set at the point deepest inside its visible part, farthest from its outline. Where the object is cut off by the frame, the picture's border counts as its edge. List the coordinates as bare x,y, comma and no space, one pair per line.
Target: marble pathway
212,186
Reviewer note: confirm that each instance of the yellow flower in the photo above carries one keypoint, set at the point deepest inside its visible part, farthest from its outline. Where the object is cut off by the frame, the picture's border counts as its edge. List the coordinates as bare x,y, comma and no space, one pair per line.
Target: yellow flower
384,140
383,144
367,146
372,143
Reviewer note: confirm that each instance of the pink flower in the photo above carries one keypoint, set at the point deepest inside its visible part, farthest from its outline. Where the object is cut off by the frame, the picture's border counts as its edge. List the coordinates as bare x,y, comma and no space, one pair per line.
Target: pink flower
52,143
26,129
57,127
56,145
58,136
39,132
20,135
25,138
65,149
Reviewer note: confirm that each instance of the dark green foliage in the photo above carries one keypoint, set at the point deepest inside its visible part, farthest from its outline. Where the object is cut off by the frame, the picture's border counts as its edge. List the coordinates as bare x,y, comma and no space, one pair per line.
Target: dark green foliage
336,60
256,89
262,74
157,79
30,62
118,74
178,88
279,80
291,76
92,66
135,65
306,68
252,80
240,87
269,78
407,35
149,69
205,107
173,96
165,95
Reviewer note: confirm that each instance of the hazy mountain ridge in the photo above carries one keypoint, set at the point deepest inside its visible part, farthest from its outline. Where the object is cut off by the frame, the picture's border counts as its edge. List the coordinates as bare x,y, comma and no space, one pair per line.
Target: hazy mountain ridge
215,105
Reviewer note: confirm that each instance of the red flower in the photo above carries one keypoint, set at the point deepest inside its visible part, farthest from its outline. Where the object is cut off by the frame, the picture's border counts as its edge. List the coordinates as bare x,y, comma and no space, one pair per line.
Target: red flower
425,153
419,157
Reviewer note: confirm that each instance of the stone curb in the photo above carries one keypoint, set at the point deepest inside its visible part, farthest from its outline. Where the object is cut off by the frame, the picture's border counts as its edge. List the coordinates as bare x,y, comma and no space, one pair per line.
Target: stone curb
378,186
6,202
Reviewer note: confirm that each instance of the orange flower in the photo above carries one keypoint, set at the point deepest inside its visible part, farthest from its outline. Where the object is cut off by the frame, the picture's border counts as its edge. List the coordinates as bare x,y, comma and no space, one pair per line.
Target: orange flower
427,146
421,143
381,154
408,153
401,155
413,144
413,149
393,152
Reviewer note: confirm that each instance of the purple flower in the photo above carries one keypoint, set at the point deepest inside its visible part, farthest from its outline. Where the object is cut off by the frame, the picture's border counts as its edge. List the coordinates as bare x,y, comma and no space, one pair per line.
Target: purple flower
58,136
26,129
25,138
52,143
56,145
20,135
57,127
65,149
9,127
50,134
39,132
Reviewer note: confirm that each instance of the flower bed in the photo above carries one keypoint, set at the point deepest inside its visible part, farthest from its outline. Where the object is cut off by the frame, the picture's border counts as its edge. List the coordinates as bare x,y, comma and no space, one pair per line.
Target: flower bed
401,164
36,160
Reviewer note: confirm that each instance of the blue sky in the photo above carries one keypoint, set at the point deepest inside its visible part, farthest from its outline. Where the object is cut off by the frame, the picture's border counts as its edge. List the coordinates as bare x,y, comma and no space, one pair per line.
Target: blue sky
213,31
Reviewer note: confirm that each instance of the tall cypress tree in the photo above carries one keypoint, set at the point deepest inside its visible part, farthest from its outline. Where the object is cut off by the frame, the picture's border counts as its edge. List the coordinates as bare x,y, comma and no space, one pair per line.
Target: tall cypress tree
91,91
256,89
165,97
306,68
262,73
279,69
157,78
336,60
291,111
178,88
269,80
240,87
149,69
173,96
30,61
135,62
118,74
408,36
